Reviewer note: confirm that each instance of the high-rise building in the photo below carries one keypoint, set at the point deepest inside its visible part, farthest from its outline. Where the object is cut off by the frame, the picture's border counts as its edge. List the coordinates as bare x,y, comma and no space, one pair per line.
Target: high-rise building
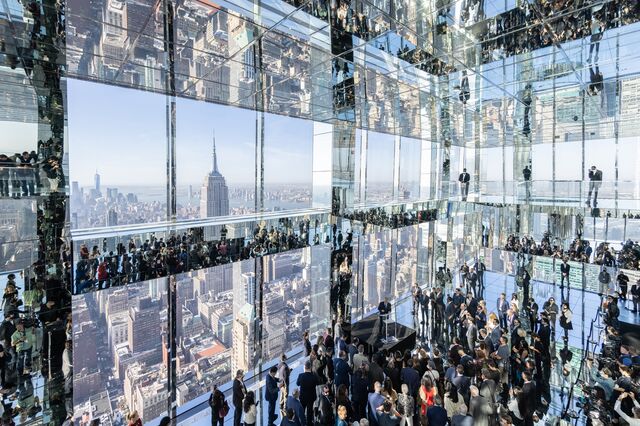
144,325
96,181
214,195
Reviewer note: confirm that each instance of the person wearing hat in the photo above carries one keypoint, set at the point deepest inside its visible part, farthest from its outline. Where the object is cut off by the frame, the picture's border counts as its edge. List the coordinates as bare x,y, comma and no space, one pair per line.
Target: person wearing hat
239,392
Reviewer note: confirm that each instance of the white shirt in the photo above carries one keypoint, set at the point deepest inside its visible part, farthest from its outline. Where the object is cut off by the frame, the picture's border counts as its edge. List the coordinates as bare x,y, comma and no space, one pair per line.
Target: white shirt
250,416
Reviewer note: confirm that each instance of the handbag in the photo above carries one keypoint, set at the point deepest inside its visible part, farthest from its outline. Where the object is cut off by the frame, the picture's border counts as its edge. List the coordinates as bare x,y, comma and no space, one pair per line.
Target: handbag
224,410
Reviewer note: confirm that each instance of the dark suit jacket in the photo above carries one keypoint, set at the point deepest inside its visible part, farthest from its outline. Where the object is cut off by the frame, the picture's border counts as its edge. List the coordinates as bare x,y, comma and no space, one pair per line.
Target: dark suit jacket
307,383
411,377
526,401
271,389
239,391
565,268
464,177
342,372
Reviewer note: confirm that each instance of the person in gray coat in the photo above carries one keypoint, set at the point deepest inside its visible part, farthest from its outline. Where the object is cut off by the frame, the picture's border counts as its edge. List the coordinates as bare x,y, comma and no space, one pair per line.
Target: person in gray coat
480,409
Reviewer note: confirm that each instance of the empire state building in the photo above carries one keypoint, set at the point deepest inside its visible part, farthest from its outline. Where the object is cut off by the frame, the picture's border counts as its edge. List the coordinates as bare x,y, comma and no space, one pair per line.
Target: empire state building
214,194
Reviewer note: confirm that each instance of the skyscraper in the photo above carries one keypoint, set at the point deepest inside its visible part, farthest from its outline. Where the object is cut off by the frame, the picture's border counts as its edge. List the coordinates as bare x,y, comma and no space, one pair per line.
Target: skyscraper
214,195
96,179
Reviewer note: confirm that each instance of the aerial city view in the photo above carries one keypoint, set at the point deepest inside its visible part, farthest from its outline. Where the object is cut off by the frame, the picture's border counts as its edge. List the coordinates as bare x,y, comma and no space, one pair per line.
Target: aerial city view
120,333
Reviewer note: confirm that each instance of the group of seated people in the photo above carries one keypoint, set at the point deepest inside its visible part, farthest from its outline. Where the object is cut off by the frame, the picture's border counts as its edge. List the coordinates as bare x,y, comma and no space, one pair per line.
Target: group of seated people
157,257
628,257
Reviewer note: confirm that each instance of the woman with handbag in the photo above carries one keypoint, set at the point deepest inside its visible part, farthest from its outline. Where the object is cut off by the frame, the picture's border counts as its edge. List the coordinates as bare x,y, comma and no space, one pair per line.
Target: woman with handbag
219,407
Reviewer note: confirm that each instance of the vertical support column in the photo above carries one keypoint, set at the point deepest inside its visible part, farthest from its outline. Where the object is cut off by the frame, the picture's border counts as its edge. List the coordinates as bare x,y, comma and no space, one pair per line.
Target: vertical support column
170,87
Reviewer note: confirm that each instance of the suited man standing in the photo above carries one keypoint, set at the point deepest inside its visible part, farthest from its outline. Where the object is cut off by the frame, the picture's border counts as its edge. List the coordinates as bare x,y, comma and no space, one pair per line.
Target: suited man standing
480,268
464,179
384,309
565,268
283,377
527,399
307,382
239,392
472,279
342,370
595,180
271,392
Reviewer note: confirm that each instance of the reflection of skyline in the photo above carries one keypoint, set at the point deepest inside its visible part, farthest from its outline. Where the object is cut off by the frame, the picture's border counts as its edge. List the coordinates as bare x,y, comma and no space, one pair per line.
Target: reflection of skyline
380,277
118,353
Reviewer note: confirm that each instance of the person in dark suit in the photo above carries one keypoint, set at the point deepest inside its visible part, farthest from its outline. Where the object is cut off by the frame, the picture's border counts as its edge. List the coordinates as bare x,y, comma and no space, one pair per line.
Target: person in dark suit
595,180
384,309
307,382
464,179
239,392
565,268
342,370
271,392
360,392
527,398
325,408
411,377
293,403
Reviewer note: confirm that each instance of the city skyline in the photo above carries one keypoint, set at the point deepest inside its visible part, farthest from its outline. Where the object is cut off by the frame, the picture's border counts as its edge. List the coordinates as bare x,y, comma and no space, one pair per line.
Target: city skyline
137,141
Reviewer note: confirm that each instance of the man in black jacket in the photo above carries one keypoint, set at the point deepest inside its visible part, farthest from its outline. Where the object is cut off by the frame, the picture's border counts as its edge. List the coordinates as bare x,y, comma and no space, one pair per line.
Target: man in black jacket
324,413
239,392
307,383
411,377
271,392
527,399
595,180
464,179
342,370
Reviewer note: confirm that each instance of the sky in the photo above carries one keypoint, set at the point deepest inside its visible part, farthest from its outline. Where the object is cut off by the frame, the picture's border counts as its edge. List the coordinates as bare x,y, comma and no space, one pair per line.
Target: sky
122,133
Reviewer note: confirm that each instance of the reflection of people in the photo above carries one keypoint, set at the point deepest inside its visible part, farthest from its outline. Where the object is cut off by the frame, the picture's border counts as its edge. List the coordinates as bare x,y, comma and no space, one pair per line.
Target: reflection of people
384,309
595,180
565,320
564,271
526,100
596,35
464,179
526,174
465,94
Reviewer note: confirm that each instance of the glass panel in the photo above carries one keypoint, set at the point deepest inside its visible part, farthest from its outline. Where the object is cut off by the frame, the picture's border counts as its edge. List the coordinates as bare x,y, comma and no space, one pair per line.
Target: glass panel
119,348
288,162
215,330
117,155
410,160
215,173
379,173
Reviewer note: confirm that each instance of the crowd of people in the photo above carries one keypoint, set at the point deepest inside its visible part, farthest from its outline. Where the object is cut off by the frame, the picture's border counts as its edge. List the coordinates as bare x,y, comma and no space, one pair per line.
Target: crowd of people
475,363
35,340
157,257
22,175
527,27
580,250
